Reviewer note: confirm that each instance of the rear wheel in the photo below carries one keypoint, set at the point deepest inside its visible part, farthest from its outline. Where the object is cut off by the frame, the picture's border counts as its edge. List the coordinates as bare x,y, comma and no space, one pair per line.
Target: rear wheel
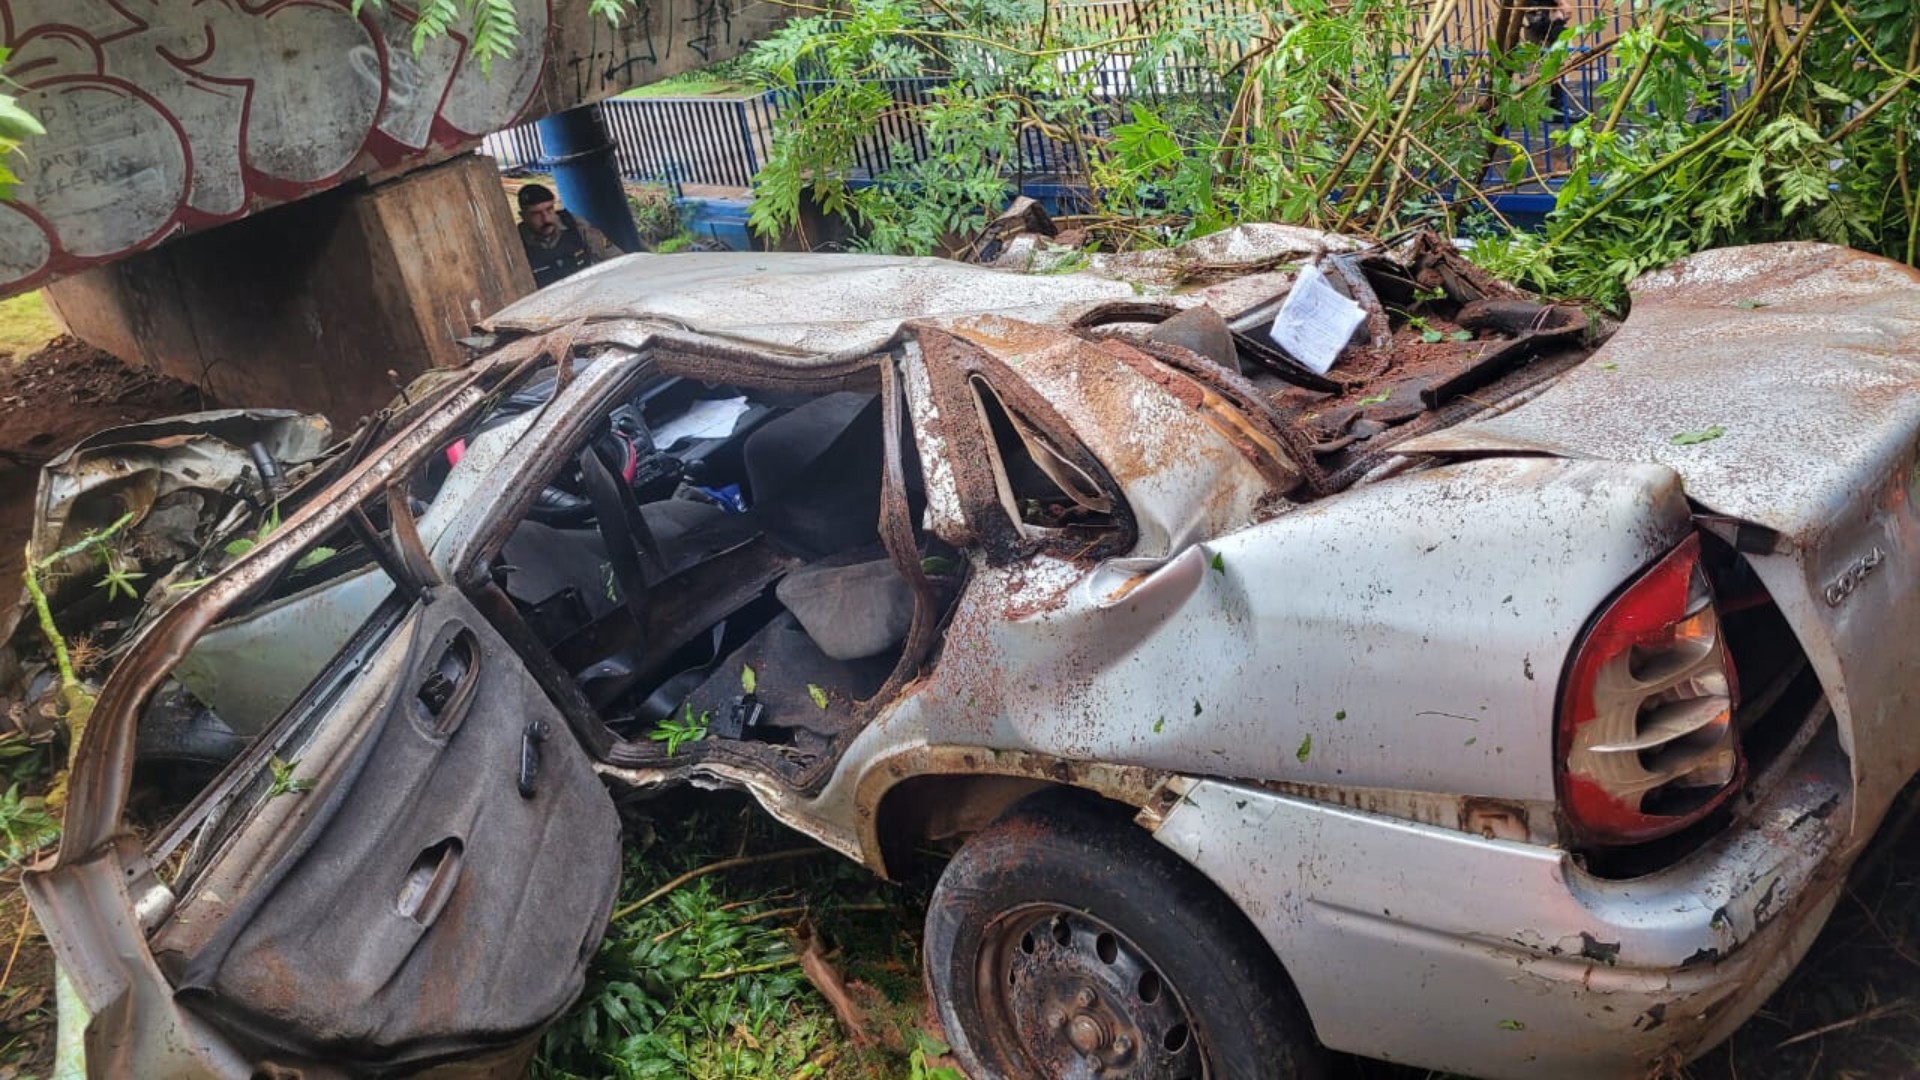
1062,943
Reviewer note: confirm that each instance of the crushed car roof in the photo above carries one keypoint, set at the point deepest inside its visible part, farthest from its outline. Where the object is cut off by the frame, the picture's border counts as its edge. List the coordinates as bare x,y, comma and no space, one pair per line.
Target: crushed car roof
812,305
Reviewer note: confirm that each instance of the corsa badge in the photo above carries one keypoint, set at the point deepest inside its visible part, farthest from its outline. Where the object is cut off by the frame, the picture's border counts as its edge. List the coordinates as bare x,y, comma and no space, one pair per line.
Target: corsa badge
1850,578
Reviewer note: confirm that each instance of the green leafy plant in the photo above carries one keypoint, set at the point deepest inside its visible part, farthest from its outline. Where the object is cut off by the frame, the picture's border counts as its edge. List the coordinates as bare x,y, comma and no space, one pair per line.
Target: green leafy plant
919,1066
700,974
16,127
1716,124
26,826
1432,336
240,545
76,698
120,577
492,26
1706,434
284,782
684,730
674,986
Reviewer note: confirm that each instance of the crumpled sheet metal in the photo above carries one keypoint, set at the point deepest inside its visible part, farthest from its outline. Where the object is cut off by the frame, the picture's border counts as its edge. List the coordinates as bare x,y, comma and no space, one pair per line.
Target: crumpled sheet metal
1242,249
791,303
205,450
130,469
814,310
1806,356
1161,450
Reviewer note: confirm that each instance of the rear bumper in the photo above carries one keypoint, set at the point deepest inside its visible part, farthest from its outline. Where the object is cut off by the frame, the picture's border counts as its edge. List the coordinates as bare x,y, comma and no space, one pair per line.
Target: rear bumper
1440,949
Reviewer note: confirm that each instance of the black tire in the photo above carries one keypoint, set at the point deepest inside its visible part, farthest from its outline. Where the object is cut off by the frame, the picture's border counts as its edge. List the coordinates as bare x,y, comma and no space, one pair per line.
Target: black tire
1061,941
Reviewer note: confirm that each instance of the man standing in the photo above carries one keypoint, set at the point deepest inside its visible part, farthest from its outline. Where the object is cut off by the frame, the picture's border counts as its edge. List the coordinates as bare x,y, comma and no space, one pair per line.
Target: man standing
558,244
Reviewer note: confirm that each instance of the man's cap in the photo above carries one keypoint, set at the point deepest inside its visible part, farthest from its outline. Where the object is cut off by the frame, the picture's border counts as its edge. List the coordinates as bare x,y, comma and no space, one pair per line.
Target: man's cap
534,195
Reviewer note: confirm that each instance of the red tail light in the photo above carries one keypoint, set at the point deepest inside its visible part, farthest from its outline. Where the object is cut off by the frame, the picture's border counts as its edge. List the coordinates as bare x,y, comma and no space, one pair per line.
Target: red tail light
1647,744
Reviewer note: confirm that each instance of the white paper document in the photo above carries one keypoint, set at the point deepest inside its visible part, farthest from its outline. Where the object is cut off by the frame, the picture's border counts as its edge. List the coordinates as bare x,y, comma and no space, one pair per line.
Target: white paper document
1315,321
703,420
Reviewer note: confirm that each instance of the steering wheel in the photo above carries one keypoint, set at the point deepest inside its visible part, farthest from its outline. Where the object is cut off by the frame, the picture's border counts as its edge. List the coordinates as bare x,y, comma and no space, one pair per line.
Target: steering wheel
624,441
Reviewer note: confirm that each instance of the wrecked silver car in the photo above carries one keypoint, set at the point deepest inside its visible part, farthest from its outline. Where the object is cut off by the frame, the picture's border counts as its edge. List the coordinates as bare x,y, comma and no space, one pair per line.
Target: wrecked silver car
1509,698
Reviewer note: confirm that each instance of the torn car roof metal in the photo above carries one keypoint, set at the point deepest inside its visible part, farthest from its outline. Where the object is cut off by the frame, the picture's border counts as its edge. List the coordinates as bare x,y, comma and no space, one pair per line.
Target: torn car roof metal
792,304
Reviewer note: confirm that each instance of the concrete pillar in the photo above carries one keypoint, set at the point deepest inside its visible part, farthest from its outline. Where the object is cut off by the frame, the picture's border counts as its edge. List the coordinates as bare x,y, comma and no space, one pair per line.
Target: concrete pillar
586,169
309,306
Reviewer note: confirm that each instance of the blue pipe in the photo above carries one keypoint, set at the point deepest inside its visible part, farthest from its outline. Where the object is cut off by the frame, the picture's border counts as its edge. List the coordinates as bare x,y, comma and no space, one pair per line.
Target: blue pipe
587,174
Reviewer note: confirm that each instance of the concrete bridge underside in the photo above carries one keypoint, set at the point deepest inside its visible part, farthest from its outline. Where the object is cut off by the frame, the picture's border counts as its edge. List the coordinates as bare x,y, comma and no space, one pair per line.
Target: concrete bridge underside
274,198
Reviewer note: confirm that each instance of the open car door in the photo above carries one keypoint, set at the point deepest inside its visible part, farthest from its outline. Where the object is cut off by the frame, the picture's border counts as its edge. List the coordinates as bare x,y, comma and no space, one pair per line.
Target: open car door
428,881
410,870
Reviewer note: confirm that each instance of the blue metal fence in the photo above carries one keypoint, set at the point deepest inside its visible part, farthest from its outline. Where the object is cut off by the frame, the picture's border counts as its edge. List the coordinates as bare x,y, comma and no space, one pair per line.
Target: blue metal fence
710,142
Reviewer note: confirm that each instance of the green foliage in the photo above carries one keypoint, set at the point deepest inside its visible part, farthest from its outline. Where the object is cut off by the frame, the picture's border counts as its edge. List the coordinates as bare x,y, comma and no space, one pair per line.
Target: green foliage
705,981
1718,124
16,127
240,545
656,216
611,10
25,826
491,27
1799,128
26,324
284,782
920,1067
673,986
684,730
26,822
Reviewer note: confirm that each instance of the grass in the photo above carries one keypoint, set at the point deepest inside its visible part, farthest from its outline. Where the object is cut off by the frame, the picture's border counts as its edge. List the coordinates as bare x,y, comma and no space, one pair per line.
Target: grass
706,979
725,79
696,84
26,323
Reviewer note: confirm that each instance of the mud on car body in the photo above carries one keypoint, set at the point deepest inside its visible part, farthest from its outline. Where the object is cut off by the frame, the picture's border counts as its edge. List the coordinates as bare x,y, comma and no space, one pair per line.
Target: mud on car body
1472,707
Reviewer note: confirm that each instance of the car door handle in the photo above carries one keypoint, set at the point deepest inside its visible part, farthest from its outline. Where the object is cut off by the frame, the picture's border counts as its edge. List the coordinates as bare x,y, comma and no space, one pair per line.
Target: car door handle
430,882
447,691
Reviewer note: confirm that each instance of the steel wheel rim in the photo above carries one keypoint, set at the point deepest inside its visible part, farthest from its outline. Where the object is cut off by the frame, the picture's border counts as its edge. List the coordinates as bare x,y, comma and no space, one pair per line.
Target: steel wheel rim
1066,995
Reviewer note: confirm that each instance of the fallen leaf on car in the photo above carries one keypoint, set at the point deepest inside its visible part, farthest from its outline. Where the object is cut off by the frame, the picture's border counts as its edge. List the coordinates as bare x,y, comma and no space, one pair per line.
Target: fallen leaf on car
1707,434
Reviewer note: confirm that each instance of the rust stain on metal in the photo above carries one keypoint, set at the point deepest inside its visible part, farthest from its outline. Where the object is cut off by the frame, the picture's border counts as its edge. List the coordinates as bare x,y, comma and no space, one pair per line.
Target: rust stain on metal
1127,784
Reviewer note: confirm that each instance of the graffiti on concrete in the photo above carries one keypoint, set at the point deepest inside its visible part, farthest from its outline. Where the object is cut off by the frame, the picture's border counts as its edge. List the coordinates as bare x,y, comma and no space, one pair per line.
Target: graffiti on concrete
171,115
712,27
611,64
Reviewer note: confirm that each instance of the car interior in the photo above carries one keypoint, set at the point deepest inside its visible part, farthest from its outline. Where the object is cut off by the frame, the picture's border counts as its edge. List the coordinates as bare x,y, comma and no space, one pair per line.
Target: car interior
710,560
